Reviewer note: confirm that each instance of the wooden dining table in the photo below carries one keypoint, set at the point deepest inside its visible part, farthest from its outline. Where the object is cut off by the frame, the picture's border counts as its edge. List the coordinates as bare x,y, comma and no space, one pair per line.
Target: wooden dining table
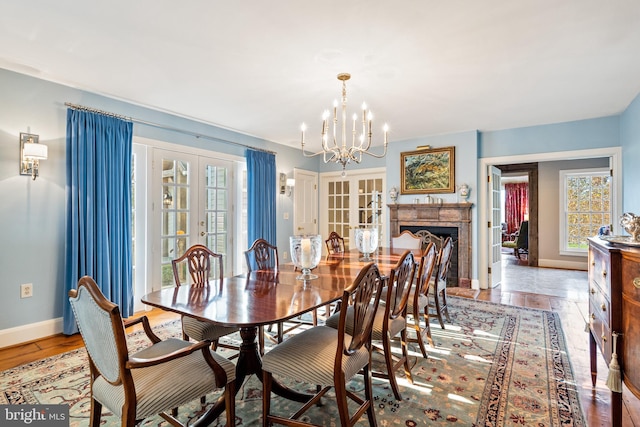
262,298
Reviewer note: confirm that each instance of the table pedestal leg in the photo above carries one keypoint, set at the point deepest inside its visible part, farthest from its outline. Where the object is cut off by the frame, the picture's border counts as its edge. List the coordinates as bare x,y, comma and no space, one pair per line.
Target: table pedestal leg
249,362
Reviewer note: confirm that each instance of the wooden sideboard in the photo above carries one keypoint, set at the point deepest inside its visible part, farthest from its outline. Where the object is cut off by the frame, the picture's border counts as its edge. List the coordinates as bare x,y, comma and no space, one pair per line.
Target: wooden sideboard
614,306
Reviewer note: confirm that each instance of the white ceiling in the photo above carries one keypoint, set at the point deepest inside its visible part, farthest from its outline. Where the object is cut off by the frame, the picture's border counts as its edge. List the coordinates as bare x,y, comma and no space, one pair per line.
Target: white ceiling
425,67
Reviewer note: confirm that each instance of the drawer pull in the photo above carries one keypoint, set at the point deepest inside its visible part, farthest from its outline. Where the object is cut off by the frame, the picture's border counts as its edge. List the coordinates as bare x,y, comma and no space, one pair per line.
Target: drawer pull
593,316
593,291
604,273
604,338
636,282
593,263
603,307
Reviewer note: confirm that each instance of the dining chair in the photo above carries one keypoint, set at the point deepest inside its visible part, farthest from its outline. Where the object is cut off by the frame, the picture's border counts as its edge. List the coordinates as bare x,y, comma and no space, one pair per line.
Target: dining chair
263,256
438,286
199,261
406,240
329,357
335,243
390,321
419,299
152,381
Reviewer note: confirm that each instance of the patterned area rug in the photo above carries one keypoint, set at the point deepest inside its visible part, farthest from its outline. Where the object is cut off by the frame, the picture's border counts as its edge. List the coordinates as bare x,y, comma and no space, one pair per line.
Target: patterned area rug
494,365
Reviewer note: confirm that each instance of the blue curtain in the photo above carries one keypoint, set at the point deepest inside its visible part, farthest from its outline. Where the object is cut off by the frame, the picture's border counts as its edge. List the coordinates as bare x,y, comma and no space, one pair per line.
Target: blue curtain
98,193
261,196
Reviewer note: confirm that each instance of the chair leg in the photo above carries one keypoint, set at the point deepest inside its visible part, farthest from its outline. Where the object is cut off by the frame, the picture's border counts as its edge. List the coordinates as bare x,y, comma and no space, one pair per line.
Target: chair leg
261,340
419,332
341,401
280,332
230,403
96,413
428,327
445,306
368,392
266,398
388,360
436,298
405,356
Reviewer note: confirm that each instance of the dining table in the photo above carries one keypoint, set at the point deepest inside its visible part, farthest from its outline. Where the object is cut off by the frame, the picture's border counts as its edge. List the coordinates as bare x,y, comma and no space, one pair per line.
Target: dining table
259,298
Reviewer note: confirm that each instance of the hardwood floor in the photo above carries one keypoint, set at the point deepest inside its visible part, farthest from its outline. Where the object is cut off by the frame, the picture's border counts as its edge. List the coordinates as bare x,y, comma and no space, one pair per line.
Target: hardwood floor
562,291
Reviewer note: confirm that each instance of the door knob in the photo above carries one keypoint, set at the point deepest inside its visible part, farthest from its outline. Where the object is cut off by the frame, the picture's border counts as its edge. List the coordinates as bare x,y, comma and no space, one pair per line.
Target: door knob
202,233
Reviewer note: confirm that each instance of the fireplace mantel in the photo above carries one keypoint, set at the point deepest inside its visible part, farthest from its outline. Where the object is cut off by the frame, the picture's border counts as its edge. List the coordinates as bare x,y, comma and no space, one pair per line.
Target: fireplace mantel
456,215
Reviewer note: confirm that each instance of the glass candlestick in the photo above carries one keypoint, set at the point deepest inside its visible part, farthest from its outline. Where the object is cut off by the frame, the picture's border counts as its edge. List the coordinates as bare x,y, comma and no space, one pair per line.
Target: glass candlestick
306,251
366,241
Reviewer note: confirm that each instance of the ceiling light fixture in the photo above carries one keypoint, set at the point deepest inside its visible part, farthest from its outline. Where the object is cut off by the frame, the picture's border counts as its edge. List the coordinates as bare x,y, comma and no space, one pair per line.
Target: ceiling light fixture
345,154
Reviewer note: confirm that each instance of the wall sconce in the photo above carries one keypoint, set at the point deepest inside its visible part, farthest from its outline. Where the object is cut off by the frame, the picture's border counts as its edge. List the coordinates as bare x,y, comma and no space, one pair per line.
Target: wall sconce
283,182
290,184
31,152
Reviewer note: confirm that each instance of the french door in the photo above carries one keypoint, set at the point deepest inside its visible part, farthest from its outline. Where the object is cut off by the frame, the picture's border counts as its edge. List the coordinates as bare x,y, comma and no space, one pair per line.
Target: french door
356,200
193,203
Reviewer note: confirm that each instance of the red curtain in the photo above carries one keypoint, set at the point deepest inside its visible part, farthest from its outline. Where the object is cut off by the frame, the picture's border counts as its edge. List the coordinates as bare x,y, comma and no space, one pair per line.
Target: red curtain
516,204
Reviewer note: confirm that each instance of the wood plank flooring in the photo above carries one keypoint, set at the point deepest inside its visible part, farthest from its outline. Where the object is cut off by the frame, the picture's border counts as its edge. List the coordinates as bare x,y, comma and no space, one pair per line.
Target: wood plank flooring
562,291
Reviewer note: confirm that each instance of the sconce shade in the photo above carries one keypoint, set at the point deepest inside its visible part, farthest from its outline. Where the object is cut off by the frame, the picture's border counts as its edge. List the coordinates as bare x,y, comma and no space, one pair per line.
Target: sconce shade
35,151
31,152
291,182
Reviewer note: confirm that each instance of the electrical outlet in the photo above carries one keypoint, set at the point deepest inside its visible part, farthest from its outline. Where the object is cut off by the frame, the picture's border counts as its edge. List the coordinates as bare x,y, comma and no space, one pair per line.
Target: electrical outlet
26,290
285,255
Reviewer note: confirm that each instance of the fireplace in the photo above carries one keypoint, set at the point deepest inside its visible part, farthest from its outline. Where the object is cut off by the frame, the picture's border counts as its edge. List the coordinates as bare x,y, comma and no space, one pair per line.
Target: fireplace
444,232
444,220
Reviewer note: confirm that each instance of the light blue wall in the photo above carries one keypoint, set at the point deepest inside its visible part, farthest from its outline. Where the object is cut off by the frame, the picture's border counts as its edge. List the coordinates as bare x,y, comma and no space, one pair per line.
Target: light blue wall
569,136
630,141
32,212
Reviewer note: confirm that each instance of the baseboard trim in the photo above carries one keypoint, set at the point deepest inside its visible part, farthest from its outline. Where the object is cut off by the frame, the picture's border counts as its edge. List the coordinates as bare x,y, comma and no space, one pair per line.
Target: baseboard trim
30,332
565,265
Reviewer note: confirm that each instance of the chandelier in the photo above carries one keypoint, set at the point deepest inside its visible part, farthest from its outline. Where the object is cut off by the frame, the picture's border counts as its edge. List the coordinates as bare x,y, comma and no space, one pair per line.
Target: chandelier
344,153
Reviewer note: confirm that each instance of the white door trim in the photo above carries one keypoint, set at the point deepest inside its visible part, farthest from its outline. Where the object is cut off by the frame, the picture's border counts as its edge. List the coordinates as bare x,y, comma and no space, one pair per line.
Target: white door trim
614,153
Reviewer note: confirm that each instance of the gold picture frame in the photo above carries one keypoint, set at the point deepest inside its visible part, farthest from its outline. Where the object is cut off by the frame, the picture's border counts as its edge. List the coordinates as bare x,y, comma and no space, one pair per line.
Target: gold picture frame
428,171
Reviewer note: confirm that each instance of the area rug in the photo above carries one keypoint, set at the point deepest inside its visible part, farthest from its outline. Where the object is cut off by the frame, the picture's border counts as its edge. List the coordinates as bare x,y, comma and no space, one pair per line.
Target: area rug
493,365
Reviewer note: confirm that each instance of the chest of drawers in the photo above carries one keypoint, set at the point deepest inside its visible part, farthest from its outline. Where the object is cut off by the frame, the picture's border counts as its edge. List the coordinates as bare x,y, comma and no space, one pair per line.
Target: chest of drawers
614,306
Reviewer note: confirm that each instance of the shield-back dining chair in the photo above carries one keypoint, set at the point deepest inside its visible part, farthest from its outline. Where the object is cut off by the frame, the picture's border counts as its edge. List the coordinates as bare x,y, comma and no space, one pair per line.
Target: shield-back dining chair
439,283
329,357
334,243
202,264
390,321
152,381
263,256
419,299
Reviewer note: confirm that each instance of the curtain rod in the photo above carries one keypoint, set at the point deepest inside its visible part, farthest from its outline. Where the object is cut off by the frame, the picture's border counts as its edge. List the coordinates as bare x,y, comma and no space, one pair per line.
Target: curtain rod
161,126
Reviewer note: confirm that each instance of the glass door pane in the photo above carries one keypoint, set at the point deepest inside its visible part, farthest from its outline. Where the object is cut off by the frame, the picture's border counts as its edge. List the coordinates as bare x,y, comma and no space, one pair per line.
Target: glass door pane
216,221
338,209
176,214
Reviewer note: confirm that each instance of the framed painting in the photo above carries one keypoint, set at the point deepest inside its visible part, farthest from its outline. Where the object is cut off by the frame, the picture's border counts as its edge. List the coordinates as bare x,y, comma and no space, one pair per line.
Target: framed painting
427,171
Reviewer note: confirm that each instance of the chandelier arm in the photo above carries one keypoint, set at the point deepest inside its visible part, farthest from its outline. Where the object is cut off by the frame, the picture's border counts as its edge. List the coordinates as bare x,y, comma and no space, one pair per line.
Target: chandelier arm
306,154
379,156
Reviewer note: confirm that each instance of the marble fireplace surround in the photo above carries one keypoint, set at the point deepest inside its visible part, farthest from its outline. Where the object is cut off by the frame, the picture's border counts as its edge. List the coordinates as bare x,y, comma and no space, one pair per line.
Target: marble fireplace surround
455,215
